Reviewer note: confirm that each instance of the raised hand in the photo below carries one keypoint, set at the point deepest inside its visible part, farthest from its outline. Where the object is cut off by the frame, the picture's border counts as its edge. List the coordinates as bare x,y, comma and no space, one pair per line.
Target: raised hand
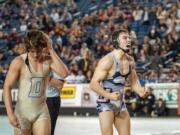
144,93
49,42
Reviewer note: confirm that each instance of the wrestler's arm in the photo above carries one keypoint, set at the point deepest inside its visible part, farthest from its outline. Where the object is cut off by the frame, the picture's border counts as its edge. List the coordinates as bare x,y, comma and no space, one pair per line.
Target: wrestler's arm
11,79
57,83
100,74
56,63
135,84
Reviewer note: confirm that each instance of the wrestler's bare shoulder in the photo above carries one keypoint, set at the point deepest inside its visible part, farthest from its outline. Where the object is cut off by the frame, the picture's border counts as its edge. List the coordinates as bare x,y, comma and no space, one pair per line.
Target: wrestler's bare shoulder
106,61
17,61
131,60
106,58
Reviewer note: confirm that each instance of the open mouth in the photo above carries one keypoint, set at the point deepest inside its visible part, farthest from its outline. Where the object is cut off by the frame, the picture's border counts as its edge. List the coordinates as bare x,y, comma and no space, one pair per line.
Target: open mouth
128,46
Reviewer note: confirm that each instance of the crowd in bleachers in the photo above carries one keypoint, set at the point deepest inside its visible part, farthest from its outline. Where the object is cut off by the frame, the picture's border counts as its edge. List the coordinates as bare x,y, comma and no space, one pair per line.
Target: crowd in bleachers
81,38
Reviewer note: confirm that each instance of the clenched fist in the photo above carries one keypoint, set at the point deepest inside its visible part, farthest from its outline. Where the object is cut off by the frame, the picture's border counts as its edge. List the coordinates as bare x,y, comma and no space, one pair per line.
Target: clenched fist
114,96
144,93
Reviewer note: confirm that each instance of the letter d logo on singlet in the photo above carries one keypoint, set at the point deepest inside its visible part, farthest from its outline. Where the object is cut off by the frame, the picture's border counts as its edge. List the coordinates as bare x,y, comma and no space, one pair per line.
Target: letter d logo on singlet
36,88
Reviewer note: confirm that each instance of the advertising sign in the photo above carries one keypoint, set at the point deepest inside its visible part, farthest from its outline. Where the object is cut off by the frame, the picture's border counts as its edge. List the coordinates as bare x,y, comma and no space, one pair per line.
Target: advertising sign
88,97
71,95
166,91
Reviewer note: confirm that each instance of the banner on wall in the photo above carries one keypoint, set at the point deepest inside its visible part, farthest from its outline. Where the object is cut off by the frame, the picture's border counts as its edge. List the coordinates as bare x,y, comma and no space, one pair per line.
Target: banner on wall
80,95
88,96
68,92
179,99
166,91
71,95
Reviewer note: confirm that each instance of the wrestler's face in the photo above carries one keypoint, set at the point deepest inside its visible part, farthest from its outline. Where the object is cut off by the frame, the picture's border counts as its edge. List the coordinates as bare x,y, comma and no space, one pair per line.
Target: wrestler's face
38,54
124,41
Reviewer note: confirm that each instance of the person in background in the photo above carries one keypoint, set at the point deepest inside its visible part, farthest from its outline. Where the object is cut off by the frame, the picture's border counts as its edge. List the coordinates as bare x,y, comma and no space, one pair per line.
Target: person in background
160,108
53,98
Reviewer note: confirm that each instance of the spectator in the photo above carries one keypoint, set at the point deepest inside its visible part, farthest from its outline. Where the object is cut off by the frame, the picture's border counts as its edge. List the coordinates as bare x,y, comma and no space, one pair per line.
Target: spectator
80,78
131,102
137,14
149,103
84,63
89,75
160,108
71,78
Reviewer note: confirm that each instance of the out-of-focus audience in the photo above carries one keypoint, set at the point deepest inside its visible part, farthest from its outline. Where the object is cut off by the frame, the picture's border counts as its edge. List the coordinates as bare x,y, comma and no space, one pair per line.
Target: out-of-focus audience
82,37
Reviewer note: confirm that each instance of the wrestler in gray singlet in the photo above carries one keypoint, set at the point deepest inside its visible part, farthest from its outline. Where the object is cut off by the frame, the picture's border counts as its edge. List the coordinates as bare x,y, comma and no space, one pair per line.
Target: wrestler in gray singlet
113,84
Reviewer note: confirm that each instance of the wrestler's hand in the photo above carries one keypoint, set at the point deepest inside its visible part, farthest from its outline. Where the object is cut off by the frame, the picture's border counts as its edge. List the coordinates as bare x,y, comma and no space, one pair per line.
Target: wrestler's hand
14,121
114,96
144,93
49,43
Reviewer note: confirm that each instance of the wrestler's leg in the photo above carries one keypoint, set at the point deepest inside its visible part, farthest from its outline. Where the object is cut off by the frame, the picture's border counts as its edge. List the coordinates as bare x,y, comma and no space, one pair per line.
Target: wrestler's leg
122,123
22,131
42,127
106,120
24,127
